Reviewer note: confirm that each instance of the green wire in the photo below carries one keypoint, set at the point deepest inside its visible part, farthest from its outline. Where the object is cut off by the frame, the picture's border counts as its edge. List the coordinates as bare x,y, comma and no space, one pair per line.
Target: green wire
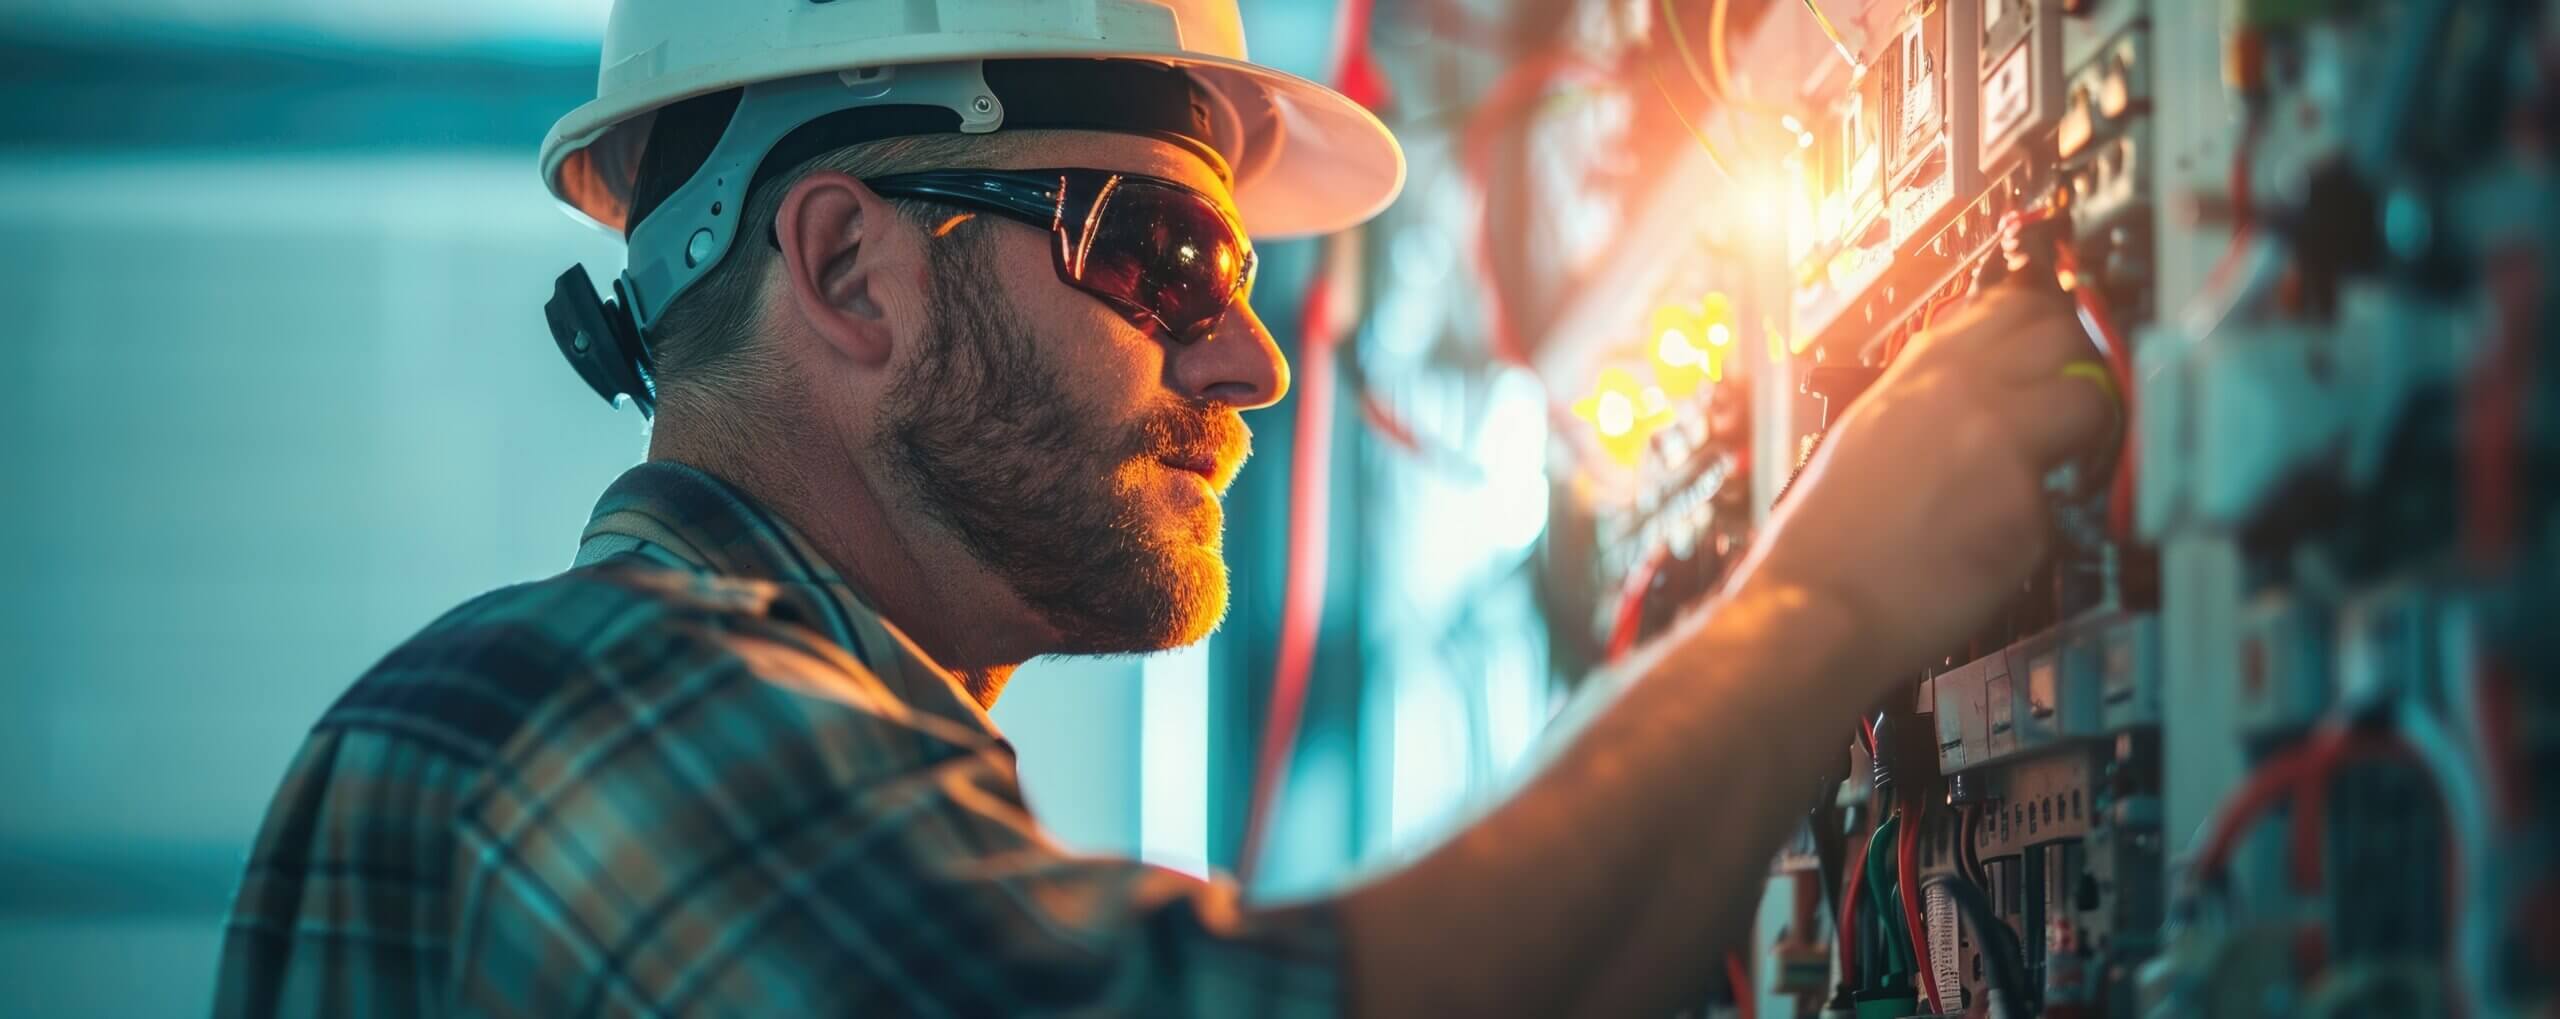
1887,909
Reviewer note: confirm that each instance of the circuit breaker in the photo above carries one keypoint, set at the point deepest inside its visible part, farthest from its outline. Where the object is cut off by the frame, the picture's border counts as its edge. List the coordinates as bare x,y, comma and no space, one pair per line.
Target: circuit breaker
2263,738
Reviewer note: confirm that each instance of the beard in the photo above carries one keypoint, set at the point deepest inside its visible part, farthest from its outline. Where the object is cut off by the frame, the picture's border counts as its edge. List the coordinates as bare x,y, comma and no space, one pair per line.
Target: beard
1049,492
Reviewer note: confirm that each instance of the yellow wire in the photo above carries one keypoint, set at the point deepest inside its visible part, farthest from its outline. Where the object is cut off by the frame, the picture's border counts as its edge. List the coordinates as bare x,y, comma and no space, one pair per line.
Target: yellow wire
1716,49
1713,156
2095,373
1721,88
1680,41
1716,58
1833,34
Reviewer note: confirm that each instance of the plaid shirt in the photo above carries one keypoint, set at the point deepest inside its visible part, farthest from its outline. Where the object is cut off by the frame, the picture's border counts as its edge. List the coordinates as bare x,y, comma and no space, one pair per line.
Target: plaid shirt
695,774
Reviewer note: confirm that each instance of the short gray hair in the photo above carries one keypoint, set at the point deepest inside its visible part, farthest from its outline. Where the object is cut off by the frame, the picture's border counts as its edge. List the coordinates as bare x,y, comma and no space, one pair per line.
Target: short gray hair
704,349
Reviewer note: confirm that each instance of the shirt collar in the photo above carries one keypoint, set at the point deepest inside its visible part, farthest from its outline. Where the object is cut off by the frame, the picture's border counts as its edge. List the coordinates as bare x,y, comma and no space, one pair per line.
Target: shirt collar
684,517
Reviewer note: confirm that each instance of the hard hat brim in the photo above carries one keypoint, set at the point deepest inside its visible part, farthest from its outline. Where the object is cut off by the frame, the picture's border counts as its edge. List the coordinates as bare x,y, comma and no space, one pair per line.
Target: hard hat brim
1307,159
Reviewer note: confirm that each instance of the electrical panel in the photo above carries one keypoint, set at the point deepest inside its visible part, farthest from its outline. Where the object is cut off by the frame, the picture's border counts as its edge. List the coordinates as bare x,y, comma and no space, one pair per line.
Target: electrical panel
2262,737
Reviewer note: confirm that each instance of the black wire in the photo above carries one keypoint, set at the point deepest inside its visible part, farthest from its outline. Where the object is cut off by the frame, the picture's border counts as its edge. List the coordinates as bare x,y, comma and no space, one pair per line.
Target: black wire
1830,840
1968,859
2004,959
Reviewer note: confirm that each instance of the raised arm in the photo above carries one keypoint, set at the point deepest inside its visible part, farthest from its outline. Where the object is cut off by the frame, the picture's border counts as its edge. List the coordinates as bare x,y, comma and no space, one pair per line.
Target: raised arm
1600,889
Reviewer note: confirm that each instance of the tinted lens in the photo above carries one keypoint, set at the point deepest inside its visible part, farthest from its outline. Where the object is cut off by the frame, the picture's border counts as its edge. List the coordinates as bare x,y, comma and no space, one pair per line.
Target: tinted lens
1163,251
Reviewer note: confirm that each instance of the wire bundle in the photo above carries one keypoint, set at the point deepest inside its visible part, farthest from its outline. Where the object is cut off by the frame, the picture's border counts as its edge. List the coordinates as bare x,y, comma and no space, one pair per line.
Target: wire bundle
2003,957
2303,775
1944,967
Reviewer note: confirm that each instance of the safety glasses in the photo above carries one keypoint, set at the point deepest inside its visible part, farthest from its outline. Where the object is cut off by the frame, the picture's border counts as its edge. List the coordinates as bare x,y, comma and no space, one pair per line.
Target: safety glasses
1163,255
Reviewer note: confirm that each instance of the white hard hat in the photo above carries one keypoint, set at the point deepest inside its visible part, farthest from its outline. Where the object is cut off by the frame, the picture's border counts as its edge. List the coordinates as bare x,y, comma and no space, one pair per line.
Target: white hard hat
1305,158
780,76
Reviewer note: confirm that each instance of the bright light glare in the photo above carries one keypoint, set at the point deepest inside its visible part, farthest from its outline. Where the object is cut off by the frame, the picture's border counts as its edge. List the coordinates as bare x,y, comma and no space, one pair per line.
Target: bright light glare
1719,335
1617,414
1790,122
1675,348
1173,760
1804,140
1654,401
1429,753
1512,445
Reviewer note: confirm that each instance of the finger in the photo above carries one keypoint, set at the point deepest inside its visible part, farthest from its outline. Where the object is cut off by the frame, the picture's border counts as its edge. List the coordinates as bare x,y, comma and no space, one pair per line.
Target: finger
1989,323
2043,346
2024,295
2023,336
2069,415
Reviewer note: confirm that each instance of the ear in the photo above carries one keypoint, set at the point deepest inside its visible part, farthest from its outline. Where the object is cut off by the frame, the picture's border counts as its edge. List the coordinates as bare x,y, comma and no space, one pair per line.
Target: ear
833,231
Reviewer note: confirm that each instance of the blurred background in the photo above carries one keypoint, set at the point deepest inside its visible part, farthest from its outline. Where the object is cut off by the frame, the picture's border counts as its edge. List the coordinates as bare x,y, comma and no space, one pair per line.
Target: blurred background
280,393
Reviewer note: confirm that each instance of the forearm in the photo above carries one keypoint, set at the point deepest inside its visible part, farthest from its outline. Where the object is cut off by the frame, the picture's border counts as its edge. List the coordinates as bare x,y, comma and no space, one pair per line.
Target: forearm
1602,887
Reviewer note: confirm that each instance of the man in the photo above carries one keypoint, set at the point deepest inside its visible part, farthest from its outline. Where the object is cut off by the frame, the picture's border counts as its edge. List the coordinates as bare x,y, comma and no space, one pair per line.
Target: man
955,399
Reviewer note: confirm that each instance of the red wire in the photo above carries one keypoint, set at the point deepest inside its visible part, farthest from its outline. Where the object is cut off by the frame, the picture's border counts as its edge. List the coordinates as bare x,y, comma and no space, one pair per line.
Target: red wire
2494,420
1629,623
2112,341
2261,792
1848,927
1322,321
1355,69
1907,874
2243,209
2306,857
2499,724
2266,787
1384,420
1310,539
2493,417
1738,974
2303,774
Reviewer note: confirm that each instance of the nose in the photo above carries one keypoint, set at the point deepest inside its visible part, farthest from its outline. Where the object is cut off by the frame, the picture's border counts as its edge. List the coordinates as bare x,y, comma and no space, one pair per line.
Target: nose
1237,363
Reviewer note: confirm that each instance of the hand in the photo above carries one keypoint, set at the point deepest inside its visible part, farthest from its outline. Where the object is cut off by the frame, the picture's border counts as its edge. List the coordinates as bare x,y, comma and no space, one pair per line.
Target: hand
1925,509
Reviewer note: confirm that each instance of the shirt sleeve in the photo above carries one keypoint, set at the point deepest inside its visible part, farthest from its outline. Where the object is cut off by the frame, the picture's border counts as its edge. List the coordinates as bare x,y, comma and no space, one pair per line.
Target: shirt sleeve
712,843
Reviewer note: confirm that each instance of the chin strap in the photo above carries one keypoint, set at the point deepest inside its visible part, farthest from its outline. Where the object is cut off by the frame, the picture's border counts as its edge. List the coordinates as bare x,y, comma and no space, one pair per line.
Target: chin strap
601,340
